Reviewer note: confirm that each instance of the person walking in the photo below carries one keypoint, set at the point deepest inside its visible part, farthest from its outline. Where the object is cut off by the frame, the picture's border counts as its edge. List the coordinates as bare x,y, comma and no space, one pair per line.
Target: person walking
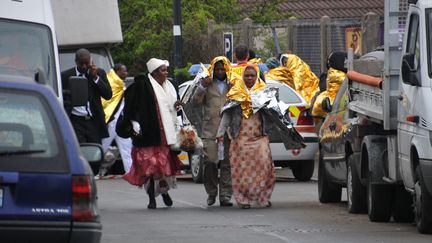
150,105
113,109
211,96
252,169
88,120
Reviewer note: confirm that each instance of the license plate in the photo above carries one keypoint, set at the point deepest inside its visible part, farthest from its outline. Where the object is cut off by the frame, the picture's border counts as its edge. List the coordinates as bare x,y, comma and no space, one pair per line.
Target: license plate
1,197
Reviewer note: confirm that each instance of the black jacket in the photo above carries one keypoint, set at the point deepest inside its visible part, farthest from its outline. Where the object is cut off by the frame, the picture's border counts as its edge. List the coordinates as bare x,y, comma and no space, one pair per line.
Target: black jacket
140,106
95,91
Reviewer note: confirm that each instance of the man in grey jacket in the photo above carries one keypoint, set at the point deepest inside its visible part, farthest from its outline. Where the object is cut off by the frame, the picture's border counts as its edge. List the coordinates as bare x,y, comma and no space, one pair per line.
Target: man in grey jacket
211,94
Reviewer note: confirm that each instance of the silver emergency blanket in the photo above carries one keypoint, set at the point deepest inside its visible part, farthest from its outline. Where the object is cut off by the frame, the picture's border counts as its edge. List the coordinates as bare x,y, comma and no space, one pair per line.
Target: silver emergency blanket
277,112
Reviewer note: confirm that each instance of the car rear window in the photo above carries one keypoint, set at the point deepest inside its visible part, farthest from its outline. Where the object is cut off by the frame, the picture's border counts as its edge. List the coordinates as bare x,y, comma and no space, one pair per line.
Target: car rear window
286,94
29,137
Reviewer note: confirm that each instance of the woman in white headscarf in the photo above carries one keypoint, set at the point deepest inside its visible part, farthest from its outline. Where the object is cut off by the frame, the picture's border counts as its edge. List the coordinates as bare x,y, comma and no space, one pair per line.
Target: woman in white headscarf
150,104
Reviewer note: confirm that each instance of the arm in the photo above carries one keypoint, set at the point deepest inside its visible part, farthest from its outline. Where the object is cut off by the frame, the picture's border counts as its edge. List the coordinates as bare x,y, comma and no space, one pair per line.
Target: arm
103,85
201,90
224,123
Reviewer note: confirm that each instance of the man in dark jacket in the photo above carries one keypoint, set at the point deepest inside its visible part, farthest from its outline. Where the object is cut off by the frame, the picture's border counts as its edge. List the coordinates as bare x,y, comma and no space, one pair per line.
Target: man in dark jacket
88,120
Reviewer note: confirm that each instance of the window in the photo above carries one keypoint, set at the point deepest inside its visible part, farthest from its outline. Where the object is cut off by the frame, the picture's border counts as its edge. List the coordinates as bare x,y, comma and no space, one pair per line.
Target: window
413,42
26,49
286,94
29,137
429,39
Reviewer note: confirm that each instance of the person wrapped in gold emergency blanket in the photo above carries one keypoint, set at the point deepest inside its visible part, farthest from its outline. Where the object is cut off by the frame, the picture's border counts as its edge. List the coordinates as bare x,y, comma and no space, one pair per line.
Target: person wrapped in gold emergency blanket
297,74
336,74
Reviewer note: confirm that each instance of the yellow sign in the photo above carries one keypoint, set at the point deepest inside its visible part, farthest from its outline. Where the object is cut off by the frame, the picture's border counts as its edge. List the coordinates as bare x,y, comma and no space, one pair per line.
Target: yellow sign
353,37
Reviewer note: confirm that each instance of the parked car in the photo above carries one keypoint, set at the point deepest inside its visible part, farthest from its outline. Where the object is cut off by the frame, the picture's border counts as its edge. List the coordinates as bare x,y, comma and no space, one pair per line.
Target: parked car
336,168
47,187
301,161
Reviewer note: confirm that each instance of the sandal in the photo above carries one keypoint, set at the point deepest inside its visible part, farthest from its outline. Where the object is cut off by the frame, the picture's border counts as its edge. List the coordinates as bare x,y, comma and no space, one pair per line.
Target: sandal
245,206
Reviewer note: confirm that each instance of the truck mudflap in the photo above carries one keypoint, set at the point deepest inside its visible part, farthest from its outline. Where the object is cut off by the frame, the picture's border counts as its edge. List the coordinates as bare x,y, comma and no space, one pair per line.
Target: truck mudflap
426,170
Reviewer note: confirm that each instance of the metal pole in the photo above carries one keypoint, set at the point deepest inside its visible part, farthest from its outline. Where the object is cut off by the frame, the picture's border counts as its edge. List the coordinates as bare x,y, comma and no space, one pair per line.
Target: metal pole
177,33
276,41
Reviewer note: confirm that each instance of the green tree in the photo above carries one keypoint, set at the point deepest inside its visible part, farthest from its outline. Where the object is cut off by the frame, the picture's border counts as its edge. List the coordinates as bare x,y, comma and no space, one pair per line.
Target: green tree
147,29
265,11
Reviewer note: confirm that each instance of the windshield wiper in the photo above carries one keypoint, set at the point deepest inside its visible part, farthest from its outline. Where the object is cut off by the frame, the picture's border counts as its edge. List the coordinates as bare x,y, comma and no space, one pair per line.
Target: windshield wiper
20,152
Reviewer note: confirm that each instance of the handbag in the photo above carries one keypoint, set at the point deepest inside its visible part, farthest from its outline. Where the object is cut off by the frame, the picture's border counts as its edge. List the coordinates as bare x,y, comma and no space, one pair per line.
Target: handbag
123,126
187,137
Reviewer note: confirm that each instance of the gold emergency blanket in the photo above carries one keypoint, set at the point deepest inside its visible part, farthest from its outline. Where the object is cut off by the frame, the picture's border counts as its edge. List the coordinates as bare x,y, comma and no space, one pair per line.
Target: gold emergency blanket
305,81
254,61
334,81
281,74
226,63
240,93
117,87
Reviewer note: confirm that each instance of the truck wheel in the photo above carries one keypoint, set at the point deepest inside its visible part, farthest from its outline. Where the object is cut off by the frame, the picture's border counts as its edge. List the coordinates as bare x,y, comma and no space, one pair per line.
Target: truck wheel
356,192
303,170
423,205
402,205
327,192
196,166
379,198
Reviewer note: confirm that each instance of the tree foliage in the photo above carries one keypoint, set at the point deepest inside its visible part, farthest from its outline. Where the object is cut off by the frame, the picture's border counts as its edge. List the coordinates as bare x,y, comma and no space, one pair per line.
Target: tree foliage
147,27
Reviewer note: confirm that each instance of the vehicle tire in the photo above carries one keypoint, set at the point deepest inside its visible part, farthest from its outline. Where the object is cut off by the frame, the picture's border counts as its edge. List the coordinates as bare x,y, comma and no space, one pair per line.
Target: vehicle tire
196,167
327,193
423,205
379,199
303,170
402,205
356,192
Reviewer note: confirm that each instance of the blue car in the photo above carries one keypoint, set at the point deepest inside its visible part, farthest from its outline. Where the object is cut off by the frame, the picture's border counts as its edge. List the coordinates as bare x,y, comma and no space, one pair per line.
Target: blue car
47,187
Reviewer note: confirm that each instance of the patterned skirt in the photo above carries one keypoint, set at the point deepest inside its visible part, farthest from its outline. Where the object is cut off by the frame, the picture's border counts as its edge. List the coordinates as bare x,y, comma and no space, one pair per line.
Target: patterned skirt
252,169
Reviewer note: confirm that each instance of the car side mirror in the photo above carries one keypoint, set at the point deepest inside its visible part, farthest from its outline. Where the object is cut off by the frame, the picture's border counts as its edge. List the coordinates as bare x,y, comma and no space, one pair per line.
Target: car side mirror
326,105
93,153
408,72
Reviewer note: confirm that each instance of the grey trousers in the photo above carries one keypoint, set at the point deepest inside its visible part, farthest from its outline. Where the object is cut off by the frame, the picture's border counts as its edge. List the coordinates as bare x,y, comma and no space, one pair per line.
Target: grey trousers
210,171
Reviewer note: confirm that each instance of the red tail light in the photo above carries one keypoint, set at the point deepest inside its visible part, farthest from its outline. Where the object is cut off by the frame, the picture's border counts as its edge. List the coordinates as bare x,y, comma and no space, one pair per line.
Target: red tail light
304,119
83,201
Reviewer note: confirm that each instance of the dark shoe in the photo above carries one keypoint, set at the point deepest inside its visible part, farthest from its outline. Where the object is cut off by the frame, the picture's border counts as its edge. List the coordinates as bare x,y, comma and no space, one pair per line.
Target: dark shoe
245,206
269,204
167,199
151,205
225,203
211,200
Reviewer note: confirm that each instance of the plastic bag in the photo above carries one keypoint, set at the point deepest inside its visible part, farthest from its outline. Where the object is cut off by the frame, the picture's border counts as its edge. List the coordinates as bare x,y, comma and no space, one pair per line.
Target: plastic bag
187,137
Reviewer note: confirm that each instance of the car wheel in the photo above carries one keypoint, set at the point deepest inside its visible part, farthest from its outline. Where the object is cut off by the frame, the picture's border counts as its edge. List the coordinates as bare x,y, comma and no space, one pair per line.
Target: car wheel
327,191
303,170
356,192
402,205
423,205
196,167
379,199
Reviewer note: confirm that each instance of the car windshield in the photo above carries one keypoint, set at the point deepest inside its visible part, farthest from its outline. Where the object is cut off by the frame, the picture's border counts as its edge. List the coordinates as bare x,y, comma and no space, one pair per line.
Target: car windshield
25,49
29,139
286,94
99,56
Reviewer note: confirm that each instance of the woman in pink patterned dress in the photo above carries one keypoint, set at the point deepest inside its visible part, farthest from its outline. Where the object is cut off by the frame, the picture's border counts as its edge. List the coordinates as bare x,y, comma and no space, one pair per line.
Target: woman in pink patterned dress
150,105
252,169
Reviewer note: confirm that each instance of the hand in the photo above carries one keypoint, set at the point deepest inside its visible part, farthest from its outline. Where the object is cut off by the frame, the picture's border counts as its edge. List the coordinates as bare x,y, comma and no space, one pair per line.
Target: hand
206,82
136,128
178,104
93,71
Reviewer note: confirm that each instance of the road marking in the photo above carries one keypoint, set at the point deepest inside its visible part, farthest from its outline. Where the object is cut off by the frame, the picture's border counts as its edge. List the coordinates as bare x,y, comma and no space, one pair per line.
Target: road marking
280,237
191,204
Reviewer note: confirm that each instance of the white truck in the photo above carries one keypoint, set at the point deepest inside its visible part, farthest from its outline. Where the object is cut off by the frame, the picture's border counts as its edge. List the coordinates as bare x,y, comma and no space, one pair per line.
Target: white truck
28,45
94,25
392,138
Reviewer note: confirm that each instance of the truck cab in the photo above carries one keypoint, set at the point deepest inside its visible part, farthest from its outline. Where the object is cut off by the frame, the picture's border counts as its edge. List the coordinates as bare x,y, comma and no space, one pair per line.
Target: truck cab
28,42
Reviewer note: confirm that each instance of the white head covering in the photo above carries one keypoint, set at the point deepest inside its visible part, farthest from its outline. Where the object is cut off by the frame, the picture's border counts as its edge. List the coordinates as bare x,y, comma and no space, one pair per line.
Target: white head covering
155,63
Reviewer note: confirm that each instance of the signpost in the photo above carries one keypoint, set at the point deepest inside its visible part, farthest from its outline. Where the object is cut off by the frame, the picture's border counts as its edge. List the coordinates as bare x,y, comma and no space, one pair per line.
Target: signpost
228,45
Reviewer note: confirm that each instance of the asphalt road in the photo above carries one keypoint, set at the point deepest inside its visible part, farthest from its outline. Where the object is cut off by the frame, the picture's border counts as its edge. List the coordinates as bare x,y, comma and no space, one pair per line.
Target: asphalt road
296,216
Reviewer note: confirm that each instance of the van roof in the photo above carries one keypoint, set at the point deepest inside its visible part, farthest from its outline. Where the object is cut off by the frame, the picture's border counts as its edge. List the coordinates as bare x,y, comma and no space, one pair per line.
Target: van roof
36,11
